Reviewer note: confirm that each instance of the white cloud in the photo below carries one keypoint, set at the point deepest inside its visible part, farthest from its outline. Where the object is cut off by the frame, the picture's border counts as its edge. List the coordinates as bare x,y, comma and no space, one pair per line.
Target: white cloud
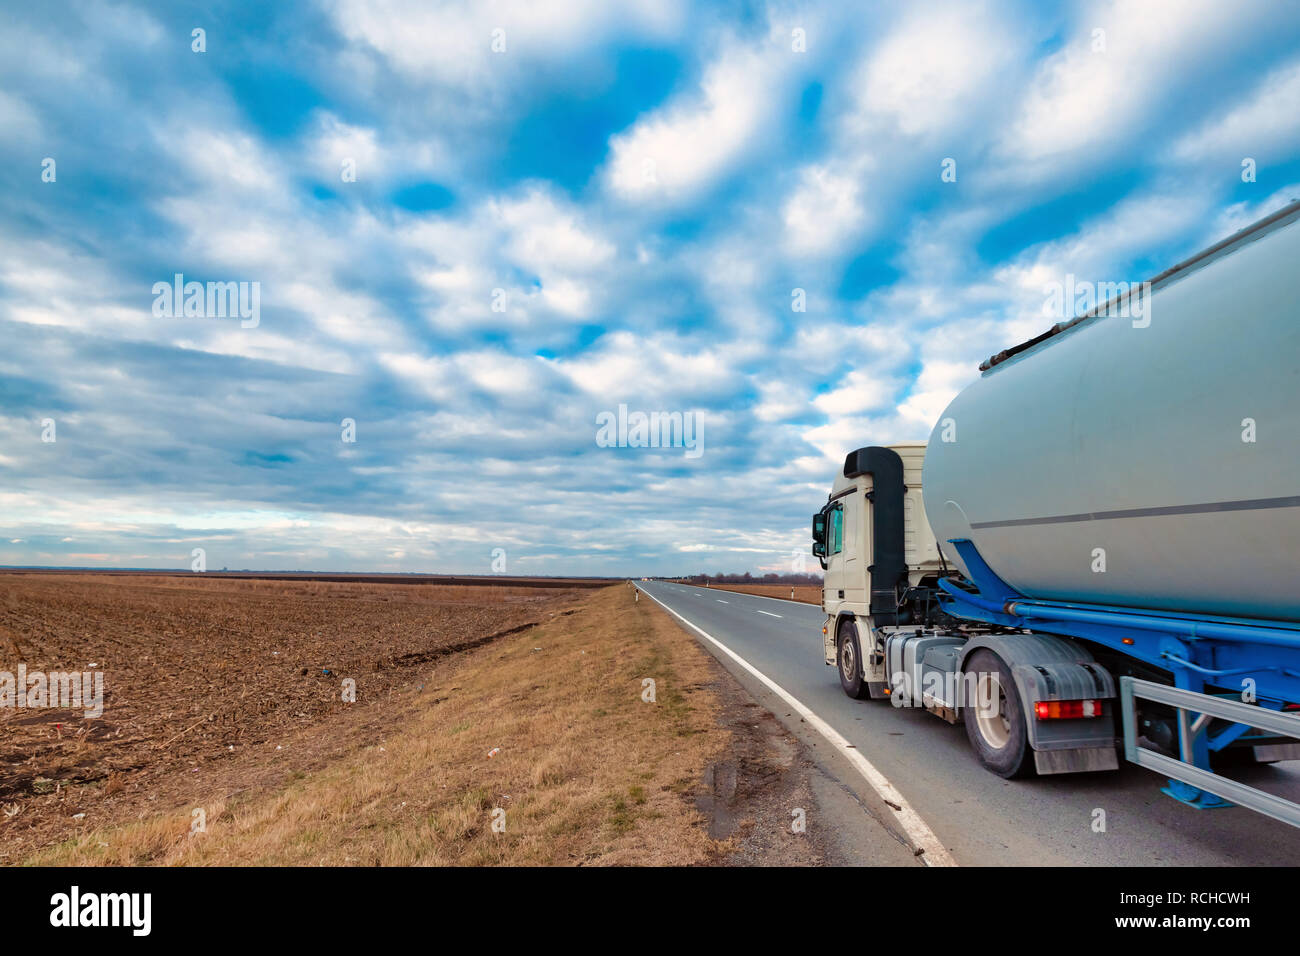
931,69
546,236
937,384
1262,127
223,160
629,367
333,142
1240,215
780,401
858,391
123,25
1084,99
534,246
451,42
837,438
818,344
1130,230
825,210
686,145
17,119
433,375
502,374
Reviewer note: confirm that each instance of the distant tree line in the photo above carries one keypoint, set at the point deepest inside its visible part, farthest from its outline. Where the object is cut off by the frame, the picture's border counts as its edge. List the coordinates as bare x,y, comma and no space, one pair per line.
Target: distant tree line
792,580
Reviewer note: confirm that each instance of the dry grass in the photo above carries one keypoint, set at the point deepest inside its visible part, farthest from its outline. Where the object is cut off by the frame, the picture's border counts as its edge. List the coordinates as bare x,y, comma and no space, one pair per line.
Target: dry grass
587,773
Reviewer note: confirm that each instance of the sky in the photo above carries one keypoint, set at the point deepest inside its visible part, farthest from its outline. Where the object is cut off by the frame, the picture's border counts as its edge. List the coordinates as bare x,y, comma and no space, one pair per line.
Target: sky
475,230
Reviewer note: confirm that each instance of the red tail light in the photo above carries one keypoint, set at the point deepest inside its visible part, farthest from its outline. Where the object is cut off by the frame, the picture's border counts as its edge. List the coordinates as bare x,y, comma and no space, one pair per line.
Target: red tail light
1067,709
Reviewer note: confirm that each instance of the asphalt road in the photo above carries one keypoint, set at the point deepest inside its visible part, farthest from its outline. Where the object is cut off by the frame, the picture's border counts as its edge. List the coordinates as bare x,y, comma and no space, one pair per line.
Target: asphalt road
981,818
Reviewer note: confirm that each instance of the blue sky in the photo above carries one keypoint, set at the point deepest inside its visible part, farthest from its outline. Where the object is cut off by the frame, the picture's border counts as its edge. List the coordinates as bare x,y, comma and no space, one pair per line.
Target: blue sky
639,188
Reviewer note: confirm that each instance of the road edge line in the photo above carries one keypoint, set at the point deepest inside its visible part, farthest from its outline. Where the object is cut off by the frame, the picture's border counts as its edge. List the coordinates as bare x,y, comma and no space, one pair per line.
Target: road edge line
917,830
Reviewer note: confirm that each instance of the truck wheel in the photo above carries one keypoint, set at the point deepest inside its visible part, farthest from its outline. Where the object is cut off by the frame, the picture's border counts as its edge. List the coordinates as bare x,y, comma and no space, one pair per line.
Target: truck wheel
997,731
848,655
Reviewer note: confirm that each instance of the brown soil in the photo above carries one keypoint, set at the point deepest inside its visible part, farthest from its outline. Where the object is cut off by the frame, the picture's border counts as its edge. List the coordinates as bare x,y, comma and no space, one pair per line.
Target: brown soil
461,580
203,674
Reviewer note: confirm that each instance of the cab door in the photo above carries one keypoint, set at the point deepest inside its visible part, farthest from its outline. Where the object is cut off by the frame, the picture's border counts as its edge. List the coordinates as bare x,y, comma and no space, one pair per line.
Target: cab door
834,577
853,566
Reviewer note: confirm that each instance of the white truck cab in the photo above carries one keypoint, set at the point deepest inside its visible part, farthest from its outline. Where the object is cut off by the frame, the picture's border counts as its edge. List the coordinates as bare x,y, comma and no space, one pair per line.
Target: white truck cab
874,542
889,635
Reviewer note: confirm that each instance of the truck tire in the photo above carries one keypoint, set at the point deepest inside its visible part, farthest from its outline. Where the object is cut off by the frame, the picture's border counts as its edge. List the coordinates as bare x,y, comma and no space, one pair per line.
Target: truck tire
999,736
848,660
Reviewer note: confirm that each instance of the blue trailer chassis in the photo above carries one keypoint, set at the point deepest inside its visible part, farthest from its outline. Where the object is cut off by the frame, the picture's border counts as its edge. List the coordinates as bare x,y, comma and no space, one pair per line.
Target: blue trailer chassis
1250,660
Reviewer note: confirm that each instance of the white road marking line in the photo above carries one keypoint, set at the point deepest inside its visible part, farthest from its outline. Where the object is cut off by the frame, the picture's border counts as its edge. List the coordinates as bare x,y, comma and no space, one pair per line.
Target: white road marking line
936,854
761,597
720,601
768,613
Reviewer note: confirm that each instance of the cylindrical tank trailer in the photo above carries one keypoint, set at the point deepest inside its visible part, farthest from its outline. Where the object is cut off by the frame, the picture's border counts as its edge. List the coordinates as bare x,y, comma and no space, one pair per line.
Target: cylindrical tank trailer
1149,458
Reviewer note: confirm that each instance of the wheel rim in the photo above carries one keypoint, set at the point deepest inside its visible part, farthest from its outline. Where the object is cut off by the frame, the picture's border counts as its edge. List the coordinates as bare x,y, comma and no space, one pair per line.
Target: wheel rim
992,721
848,661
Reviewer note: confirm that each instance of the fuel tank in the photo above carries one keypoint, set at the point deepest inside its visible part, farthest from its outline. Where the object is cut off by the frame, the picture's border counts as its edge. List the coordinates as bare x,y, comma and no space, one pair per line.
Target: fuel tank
1150,462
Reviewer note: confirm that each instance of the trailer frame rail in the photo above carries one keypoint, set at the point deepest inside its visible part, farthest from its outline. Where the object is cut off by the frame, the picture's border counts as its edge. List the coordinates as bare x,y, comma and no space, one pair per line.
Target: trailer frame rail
1189,783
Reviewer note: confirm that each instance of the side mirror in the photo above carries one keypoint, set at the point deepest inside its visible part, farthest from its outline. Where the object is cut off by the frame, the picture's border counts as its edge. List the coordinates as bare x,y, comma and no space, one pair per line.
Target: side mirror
819,534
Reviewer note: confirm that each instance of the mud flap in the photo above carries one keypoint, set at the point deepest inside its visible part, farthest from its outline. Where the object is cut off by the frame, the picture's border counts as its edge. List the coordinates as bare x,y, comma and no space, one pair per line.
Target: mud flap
1075,761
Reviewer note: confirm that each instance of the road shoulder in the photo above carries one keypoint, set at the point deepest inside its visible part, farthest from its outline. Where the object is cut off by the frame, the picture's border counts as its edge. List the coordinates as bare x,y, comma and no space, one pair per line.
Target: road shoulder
845,822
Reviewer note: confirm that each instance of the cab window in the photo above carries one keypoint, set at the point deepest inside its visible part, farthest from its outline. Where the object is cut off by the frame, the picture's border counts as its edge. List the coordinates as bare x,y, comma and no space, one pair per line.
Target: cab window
835,537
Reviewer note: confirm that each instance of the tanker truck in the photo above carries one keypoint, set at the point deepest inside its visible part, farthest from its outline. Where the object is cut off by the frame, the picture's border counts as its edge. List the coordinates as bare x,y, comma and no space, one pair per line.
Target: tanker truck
1096,555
